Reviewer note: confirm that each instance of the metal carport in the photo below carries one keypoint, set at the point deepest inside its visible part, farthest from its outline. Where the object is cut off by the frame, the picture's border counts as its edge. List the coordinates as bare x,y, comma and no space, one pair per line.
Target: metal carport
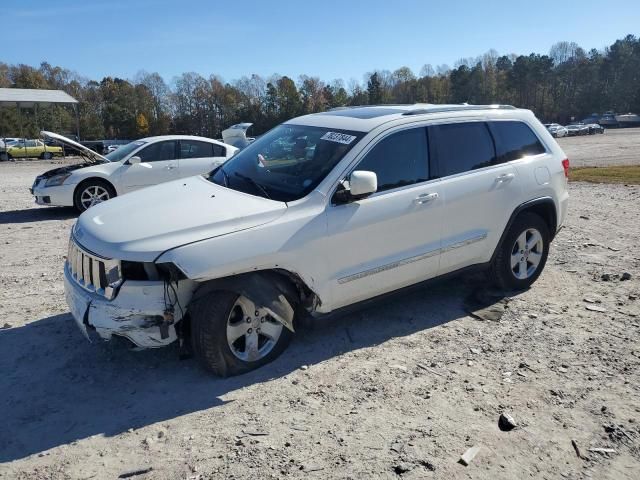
31,98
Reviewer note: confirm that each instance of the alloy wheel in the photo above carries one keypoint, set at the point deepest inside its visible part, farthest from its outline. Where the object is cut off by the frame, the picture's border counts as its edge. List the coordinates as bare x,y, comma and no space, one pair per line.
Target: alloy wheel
251,332
526,254
93,195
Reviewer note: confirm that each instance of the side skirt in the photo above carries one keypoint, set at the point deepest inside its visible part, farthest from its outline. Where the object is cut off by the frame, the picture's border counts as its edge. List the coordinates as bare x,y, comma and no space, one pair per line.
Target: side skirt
480,267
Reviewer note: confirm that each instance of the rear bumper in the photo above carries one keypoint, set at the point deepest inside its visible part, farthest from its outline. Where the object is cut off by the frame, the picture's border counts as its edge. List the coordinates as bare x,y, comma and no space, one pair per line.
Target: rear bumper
563,207
137,312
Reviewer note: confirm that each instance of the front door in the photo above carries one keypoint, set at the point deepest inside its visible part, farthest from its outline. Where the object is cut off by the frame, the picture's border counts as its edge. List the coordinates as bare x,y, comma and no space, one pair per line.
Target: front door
158,164
392,238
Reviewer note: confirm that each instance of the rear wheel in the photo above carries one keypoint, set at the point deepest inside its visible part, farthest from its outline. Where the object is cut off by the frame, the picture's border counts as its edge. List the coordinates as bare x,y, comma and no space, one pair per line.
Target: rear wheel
231,336
47,155
523,253
91,193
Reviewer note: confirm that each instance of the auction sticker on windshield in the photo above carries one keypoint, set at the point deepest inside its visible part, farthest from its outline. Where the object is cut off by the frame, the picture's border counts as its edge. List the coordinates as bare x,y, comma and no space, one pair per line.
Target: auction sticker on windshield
338,137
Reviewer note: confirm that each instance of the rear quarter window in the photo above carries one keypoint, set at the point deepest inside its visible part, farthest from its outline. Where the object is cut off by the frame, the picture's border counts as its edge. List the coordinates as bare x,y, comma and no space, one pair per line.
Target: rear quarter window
514,140
219,150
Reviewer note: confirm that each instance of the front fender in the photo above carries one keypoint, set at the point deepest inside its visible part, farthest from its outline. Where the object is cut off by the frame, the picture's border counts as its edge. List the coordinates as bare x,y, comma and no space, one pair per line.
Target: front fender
267,290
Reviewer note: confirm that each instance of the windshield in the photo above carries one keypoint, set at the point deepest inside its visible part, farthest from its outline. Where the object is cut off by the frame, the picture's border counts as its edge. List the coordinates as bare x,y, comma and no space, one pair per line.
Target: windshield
123,151
286,163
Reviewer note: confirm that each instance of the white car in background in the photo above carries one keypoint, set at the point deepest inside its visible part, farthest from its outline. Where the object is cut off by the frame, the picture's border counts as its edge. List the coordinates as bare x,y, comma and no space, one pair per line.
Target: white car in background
141,163
556,130
236,135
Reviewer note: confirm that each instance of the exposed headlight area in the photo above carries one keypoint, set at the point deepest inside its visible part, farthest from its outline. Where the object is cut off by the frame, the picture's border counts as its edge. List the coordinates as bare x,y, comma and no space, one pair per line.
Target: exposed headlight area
57,180
150,271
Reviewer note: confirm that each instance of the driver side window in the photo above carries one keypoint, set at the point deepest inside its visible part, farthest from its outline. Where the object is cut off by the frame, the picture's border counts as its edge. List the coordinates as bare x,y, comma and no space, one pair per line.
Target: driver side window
158,152
398,160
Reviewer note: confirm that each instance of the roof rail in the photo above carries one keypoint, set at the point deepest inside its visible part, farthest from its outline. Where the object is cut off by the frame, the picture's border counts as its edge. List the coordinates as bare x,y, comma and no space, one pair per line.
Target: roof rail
455,108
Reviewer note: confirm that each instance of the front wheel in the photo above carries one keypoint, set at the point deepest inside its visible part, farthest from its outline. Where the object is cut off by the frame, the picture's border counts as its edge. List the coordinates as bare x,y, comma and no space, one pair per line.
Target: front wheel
231,336
523,254
91,193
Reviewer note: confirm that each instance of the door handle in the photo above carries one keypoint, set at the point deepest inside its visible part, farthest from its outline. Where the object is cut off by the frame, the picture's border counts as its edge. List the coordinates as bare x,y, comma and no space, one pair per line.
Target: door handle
425,198
171,167
505,177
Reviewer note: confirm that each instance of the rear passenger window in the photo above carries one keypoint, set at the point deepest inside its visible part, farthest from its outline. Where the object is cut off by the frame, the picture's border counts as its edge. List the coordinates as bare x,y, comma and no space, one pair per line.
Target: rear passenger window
398,160
195,149
462,147
514,140
219,150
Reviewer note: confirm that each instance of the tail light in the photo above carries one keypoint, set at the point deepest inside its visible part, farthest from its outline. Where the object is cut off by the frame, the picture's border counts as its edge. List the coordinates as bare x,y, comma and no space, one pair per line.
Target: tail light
565,165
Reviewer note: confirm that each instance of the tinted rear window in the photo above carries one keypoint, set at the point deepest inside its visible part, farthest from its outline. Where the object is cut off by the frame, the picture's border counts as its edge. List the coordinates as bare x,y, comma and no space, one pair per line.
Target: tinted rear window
219,150
462,147
514,140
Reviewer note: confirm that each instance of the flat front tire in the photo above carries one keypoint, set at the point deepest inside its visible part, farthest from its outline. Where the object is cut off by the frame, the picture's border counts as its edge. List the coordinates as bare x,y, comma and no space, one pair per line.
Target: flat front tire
522,255
231,336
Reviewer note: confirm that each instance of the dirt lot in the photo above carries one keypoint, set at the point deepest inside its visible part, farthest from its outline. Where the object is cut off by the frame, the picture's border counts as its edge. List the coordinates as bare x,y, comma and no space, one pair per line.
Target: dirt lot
399,390
614,147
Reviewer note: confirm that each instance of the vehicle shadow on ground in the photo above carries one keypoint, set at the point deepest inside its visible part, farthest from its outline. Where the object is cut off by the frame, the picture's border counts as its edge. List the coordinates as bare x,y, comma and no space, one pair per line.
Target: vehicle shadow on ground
57,388
37,215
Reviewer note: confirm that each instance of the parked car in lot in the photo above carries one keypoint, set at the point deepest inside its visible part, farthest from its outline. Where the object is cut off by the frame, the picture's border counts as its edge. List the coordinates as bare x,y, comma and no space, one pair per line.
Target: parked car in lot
141,163
30,149
595,128
320,213
556,130
577,129
236,135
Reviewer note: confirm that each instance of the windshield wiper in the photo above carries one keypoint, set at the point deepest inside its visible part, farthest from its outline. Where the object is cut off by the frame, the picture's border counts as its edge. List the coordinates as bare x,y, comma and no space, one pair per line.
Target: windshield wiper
253,183
225,177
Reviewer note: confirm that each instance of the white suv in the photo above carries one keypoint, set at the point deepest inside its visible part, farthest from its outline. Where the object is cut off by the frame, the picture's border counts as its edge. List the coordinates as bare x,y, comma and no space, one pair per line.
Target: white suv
324,211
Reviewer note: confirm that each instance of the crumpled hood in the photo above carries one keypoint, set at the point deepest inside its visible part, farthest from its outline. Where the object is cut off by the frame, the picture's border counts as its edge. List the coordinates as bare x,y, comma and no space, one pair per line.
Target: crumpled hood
141,225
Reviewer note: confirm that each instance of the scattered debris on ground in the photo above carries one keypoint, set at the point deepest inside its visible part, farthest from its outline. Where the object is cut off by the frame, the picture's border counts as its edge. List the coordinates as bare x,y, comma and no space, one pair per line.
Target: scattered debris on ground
398,390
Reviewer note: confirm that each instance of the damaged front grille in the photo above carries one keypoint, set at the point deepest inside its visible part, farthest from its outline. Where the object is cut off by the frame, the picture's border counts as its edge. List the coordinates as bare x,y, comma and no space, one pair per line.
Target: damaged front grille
93,273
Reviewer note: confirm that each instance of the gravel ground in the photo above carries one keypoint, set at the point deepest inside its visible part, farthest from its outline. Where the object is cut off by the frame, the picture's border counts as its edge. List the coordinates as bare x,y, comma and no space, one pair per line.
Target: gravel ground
399,390
614,147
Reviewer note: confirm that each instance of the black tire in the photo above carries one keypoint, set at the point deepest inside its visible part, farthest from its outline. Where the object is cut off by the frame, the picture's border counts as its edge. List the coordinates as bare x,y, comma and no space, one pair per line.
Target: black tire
47,156
209,316
501,272
4,157
93,182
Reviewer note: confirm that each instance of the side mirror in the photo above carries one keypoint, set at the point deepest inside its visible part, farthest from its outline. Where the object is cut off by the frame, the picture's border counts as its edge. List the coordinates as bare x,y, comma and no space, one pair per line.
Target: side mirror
134,160
363,183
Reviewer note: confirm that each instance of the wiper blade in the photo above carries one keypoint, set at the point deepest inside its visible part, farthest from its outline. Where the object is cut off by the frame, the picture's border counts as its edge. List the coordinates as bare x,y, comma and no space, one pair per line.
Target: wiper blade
253,183
225,176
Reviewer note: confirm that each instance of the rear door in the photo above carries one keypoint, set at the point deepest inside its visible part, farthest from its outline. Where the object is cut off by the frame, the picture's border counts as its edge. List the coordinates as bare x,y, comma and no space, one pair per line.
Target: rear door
390,239
480,184
159,164
198,157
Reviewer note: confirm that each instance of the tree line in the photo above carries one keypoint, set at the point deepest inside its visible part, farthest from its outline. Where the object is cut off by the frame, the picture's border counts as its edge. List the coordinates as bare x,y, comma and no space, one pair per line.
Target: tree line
566,83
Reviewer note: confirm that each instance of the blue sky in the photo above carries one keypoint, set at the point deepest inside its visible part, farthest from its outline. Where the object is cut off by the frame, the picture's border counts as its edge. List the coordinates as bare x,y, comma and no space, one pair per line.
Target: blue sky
328,38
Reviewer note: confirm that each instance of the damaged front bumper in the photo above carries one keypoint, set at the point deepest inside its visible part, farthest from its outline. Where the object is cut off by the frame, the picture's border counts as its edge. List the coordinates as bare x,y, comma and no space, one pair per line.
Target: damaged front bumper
138,312
60,195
